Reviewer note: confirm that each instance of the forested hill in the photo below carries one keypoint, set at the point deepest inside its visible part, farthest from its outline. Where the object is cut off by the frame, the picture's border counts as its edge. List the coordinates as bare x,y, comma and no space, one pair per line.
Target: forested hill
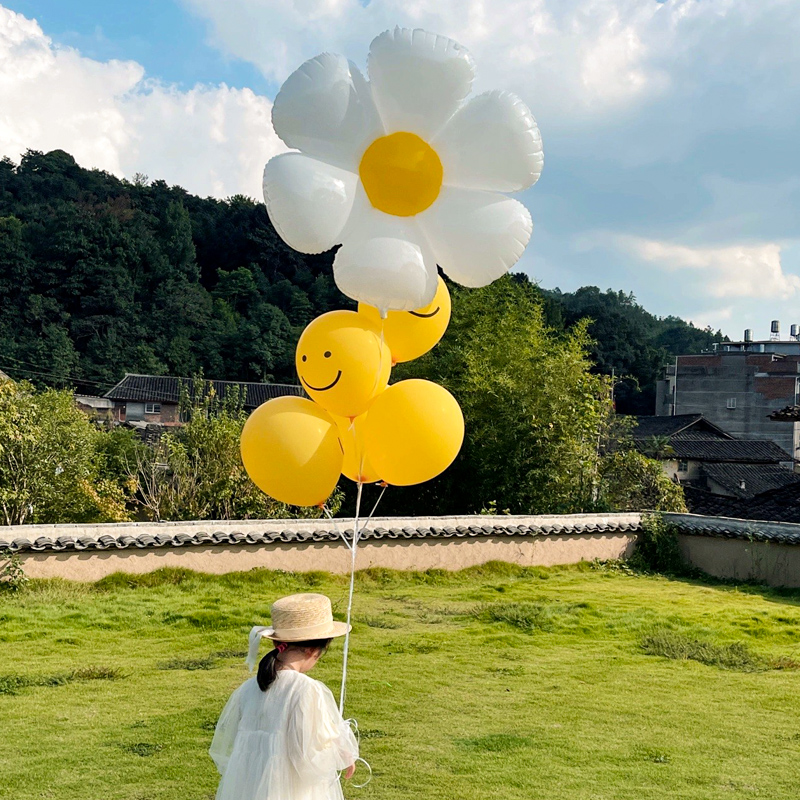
629,342
101,276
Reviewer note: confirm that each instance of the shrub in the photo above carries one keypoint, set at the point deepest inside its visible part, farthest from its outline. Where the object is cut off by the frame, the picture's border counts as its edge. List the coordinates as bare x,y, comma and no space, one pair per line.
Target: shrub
12,575
657,548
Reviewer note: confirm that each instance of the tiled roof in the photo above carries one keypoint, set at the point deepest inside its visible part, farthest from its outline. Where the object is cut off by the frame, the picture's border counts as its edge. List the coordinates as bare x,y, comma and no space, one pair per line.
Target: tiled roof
788,414
734,450
778,505
748,480
683,425
775,532
120,536
699,501
126,535
166,389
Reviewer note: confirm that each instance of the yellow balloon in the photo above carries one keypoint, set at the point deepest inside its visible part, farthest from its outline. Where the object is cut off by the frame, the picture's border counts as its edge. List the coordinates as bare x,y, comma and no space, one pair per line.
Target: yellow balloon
291,451
410,334
356,464
342,362
413,432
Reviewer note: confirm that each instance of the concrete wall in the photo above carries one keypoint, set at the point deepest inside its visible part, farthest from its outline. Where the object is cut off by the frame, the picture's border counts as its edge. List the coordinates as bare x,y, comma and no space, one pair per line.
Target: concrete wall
706,382
722,555
741,560
331,556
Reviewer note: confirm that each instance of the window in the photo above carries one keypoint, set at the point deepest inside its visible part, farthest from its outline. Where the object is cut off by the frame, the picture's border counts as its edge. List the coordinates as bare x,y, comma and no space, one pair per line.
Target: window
683,466
152,408
731,403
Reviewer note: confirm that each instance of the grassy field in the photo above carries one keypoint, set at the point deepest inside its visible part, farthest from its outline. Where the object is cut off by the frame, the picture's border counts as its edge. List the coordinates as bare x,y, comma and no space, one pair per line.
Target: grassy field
577,683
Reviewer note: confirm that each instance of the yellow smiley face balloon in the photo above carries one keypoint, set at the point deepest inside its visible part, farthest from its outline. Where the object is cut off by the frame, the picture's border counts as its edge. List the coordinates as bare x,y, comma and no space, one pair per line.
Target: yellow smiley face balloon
410,334
342,362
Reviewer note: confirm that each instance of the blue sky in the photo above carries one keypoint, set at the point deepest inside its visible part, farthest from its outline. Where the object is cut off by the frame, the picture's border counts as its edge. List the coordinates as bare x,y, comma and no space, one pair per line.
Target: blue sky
670,129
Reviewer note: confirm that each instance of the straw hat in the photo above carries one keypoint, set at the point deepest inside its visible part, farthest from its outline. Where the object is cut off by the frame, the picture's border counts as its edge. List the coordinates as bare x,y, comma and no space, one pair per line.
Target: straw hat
300,617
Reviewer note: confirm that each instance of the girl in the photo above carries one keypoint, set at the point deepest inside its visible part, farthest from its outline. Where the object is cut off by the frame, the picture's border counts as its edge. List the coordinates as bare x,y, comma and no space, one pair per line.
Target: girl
281,736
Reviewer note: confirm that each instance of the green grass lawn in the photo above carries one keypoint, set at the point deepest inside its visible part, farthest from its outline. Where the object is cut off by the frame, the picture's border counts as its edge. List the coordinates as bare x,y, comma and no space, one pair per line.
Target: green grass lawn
577,683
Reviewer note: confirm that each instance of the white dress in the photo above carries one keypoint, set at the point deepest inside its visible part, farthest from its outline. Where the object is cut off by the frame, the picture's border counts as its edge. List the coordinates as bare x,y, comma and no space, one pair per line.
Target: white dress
283,744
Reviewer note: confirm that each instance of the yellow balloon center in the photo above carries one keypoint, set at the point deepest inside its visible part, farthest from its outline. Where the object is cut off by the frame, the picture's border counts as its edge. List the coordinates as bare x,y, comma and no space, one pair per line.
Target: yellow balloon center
401,173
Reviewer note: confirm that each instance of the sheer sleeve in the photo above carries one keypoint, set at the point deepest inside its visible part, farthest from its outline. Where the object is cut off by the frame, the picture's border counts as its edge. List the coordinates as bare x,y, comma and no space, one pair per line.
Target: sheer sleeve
319,741
226,730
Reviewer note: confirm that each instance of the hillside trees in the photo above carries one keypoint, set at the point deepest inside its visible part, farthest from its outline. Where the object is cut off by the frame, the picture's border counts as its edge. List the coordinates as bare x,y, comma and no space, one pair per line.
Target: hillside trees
627,341
100,277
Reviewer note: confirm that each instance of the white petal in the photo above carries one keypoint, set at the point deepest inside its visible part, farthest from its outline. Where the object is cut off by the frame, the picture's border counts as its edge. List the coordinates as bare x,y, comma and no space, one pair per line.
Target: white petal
476,236
493,142
418,79
384,260
325,109
308,201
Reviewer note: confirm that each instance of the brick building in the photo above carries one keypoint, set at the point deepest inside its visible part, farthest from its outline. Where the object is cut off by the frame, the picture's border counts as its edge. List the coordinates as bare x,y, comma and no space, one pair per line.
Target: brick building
739,386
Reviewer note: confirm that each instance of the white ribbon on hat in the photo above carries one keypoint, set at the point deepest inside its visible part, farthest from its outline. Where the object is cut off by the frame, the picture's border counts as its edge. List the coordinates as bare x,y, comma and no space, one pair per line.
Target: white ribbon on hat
256,634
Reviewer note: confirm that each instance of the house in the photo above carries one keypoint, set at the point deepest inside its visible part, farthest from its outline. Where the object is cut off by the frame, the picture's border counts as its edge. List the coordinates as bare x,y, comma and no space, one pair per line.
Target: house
743,387
773,505
97,408
697,453
155,399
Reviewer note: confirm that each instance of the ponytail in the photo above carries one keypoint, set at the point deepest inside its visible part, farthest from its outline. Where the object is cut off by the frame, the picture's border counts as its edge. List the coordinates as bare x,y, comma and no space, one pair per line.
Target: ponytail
269,665
267,670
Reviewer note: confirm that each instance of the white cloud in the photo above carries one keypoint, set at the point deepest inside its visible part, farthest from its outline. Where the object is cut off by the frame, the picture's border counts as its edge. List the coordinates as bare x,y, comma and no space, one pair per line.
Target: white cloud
743,270
585,52
211,139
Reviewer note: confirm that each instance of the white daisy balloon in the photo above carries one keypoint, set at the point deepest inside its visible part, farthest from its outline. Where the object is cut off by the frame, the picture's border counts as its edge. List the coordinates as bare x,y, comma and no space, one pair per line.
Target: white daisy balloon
401,171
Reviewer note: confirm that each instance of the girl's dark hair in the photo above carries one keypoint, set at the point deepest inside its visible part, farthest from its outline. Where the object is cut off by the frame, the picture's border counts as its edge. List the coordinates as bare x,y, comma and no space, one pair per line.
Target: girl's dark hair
268,666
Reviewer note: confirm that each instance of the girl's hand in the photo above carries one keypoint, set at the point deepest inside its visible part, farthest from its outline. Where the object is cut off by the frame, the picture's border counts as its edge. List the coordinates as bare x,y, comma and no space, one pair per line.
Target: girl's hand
349,772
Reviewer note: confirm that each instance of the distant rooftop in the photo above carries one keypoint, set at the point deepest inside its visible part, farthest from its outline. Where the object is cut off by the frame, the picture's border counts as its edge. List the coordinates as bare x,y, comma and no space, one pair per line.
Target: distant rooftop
747,480
776,505
167,389
744,451
684,426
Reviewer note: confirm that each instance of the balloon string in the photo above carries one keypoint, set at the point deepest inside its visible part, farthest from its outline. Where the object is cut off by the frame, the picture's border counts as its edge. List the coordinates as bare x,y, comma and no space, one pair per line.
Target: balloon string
357,531
341,534
350,598
353,724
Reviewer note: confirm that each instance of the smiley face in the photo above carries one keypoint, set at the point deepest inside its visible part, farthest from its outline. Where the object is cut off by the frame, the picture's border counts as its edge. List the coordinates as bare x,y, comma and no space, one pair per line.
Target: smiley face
410,334
342,362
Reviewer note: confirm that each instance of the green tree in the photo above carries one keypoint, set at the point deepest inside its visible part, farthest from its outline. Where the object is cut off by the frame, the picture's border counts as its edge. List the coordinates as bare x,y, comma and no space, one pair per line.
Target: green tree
50,469
535,414
196,472
633,482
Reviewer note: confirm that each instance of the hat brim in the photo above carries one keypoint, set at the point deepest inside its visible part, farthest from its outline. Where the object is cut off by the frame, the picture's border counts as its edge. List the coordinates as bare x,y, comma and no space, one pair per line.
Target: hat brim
337,629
